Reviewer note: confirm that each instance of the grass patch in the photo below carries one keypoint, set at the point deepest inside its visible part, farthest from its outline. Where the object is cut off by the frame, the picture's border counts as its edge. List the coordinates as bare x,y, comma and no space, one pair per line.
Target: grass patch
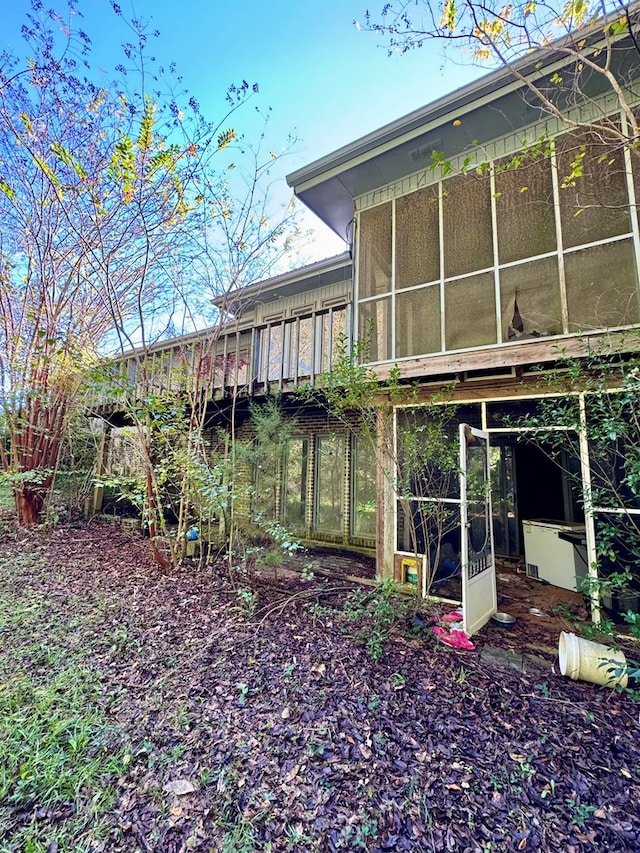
61,756
6,498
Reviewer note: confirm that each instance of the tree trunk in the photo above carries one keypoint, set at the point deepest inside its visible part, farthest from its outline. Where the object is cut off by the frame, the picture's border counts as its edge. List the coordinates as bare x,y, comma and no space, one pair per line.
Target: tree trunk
29,504
160,559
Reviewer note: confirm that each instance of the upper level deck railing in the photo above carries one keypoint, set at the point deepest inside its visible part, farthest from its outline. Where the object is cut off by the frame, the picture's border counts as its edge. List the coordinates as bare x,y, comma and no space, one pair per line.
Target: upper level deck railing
274,356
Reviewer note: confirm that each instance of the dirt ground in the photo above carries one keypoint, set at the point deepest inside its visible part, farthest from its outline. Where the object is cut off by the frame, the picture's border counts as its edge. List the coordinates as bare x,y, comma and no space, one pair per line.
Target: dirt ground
260,723
542,611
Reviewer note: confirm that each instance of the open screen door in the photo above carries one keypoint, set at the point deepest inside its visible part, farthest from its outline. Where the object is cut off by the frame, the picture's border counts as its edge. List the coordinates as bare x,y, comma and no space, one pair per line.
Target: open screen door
479,598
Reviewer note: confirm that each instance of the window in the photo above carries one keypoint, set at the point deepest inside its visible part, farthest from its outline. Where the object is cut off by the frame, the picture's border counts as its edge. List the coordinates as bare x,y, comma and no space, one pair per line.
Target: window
266,475
295,483
330,463
365,490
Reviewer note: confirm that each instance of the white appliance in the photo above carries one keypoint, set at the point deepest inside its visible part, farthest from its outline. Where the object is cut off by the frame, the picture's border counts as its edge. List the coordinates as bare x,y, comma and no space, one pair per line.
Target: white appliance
555,551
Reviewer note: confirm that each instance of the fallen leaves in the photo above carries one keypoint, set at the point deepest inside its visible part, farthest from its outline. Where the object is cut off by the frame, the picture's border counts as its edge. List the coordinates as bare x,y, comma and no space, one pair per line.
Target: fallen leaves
281,734
179,787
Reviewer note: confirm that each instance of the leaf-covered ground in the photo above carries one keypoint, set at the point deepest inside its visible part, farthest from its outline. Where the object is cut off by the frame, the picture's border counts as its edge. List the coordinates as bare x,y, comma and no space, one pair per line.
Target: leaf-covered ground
151,711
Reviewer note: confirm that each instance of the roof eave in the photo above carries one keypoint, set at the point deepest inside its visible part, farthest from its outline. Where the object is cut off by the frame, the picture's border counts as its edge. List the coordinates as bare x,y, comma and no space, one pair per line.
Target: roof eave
261,288
495,83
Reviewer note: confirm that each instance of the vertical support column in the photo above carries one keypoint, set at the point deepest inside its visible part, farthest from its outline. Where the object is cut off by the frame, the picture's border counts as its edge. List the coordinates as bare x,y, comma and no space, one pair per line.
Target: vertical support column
279,475
252,367
101,467
555,182
347,489
589,518
237,360
386,511
224,522
311,480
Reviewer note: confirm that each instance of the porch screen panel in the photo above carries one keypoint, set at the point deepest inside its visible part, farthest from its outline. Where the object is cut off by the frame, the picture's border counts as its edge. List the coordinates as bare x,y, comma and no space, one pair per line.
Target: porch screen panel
530,304
621,532
275,353
418,321
505,535
526,413
427,451
295,482
330,462
305,346
374,327
243,358
468,243
432,529
470,313
365,490
417,238
374,259
601,286
411,532
331,330
338,334
635,168
595,204
323,326
615,461
525,210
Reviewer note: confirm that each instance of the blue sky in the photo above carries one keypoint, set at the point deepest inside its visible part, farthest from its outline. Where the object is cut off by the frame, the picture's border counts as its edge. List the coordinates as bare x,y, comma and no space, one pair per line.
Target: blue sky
325,81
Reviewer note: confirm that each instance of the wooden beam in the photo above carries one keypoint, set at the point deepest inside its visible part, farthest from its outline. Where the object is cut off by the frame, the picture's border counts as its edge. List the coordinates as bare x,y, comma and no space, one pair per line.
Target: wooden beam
538,351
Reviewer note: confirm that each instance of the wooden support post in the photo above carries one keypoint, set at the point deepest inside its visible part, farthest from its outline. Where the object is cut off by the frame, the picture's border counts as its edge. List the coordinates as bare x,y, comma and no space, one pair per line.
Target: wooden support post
101,467
347,489
385,525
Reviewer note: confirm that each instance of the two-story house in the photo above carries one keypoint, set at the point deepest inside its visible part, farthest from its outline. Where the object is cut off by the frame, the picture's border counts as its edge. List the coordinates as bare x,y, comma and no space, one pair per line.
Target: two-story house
487,239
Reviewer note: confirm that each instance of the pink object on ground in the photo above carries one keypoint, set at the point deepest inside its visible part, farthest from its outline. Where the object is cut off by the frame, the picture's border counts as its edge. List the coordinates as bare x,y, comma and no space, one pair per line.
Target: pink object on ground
455,638
454,616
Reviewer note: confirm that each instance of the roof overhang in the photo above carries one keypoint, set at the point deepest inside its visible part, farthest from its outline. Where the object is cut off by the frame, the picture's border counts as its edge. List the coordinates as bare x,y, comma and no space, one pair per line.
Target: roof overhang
483,110
319,274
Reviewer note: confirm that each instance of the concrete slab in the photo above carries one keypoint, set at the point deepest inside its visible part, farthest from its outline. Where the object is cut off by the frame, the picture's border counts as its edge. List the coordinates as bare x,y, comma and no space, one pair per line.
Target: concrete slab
494,656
